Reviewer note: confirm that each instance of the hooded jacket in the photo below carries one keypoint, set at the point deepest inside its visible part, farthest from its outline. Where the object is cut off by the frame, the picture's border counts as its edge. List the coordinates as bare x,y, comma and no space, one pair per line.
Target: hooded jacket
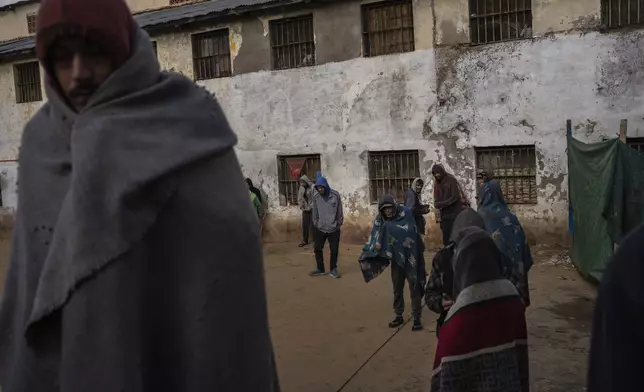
305,194
134,241
327,210
447,194
412,201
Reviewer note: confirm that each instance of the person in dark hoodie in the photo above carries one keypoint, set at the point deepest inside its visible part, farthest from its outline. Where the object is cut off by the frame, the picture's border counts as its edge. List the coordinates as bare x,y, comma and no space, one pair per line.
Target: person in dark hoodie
617,343
254,189
395,241
412,201
136,261
327,221
448,200
305,202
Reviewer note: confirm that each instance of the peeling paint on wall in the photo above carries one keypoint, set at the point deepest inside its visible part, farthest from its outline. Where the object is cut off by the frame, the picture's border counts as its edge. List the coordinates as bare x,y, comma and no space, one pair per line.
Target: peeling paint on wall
235,41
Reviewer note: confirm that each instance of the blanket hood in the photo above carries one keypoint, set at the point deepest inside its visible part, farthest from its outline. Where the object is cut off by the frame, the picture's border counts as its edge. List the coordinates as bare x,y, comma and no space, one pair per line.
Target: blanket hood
140,129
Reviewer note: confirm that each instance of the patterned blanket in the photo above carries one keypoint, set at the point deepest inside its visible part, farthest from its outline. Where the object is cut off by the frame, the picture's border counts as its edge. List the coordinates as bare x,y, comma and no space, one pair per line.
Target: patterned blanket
483,342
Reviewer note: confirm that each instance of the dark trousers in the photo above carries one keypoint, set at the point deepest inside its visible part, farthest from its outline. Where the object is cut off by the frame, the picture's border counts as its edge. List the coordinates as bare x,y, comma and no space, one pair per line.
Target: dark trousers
446,227
334,245
398,278
306,225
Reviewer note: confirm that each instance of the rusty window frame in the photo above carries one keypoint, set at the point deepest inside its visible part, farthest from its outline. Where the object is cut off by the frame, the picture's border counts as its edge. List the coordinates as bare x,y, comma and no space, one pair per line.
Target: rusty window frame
392,172
27,82
387,28
515,168
288,184
500,20
31,23
621,13
637,143
211,55
292,42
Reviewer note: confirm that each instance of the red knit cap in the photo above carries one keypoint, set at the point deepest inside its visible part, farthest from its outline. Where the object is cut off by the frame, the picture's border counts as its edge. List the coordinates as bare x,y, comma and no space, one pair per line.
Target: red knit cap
107,21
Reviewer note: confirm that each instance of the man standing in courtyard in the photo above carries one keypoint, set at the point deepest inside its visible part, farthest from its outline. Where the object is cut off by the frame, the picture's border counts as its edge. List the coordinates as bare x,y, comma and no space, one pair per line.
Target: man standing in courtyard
327,221
305,201
447,200
413,202
136,260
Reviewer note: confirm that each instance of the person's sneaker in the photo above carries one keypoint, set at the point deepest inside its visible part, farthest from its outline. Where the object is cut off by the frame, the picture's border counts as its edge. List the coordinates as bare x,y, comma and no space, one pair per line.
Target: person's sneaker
398,321
417,326
317,272
334,273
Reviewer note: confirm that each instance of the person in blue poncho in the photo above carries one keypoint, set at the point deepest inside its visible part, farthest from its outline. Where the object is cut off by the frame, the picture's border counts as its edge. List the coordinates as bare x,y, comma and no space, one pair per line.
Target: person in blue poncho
395,241
505,229
327,220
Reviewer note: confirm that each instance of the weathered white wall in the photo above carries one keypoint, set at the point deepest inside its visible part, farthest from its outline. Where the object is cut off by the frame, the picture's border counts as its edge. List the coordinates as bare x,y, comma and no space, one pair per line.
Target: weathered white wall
13,23
441,101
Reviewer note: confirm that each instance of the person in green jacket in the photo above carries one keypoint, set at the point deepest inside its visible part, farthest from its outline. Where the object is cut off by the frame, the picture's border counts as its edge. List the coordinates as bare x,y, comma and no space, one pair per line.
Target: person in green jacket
256,204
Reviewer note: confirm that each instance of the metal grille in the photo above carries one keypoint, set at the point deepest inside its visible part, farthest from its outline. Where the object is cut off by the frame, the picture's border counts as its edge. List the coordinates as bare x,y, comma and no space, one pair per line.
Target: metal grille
500,20
288,183
636,142
392,172
31,23
387,28
27,80
619,13
211,55
515,168
292,42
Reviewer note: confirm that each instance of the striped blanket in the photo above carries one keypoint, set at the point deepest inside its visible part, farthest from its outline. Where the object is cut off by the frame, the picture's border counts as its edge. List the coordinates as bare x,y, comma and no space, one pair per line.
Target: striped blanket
483,342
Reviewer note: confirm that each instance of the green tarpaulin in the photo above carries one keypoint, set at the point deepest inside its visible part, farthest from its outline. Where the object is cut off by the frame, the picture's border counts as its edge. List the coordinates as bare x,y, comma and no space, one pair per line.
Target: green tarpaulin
607,196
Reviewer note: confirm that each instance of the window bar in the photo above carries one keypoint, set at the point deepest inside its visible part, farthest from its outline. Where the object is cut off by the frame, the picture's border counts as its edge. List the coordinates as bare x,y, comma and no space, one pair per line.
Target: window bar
619,12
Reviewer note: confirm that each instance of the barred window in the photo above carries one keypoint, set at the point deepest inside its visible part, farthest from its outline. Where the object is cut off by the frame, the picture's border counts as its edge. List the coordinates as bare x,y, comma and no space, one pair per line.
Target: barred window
387,28
619,13
27,80
500,20
290,169
292,42
211,55
636,142
392,172
515,168
31,23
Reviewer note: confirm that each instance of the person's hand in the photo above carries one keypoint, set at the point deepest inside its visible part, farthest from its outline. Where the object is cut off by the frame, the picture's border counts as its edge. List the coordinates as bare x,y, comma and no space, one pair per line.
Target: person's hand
447,304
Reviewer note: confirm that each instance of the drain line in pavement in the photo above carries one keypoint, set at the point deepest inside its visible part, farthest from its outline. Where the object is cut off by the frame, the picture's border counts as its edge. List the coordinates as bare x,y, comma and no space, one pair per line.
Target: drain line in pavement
374,354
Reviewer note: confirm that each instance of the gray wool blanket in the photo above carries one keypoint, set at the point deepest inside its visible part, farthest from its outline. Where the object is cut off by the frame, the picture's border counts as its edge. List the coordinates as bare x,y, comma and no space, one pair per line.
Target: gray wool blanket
136,262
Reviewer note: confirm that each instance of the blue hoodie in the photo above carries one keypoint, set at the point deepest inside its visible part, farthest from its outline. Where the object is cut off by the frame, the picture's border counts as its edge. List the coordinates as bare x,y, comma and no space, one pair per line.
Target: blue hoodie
327,210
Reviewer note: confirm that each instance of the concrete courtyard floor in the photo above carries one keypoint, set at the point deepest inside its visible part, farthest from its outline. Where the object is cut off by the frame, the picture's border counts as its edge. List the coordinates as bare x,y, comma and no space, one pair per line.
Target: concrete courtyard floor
324,330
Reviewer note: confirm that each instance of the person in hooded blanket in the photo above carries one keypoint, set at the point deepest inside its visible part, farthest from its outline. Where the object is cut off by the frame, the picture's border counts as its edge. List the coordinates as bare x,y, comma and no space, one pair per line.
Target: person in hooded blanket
483,342
327,220
395,241
439,292
305,202
448,200
507,233
413,202
617,342
136,261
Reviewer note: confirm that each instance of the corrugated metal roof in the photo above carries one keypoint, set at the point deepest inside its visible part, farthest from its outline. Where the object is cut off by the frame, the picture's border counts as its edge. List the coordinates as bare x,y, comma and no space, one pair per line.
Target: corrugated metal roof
150,19
17,46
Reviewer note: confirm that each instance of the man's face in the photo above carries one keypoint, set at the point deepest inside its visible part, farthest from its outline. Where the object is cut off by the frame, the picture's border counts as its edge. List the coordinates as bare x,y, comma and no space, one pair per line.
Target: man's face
388,212
437,176
419,186
321,190
80,67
